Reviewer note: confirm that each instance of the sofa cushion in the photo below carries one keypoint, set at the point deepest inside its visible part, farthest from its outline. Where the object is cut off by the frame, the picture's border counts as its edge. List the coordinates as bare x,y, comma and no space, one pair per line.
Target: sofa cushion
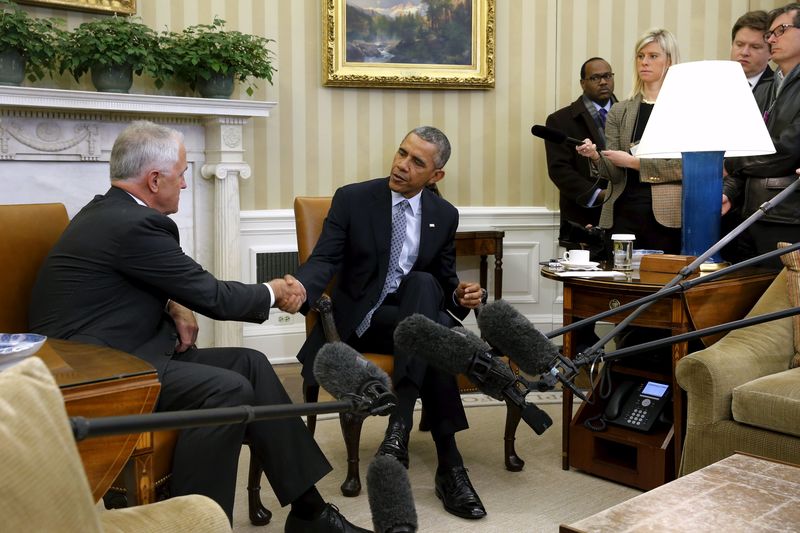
792,263
770,402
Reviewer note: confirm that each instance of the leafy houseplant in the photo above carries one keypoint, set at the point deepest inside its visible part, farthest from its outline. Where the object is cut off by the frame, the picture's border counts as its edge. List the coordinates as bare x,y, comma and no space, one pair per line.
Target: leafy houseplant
121,44
207,52
28,43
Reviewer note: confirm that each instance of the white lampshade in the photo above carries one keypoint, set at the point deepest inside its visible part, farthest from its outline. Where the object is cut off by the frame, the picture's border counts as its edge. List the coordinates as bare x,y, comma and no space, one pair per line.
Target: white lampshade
705,106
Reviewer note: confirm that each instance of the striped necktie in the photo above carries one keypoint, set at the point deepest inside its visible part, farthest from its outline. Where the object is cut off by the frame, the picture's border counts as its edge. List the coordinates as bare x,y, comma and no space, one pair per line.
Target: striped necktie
602,112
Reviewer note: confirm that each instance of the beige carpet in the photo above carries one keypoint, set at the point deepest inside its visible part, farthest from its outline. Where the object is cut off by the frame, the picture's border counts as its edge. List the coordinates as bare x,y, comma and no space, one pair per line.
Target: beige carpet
537,499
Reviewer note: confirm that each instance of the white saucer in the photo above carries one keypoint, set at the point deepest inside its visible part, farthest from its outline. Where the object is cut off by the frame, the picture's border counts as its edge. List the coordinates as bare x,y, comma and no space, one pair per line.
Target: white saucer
578,266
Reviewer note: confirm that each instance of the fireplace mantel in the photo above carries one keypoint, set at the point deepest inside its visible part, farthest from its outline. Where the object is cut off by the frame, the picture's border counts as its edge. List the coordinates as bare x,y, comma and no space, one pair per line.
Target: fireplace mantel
41,126
145,104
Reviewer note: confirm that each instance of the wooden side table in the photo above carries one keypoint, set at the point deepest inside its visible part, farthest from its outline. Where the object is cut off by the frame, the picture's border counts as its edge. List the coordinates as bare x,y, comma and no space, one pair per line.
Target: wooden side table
98,381
645,460
483,244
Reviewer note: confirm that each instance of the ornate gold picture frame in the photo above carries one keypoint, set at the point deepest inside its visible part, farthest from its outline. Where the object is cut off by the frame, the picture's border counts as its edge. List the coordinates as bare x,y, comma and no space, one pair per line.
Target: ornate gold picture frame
409,43
125,7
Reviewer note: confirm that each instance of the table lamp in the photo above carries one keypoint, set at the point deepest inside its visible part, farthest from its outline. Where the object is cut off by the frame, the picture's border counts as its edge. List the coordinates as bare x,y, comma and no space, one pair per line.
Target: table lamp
705,112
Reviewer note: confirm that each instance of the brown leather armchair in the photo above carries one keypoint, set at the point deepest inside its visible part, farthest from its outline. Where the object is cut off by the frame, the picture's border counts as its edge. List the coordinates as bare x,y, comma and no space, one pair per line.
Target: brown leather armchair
310,213
31,230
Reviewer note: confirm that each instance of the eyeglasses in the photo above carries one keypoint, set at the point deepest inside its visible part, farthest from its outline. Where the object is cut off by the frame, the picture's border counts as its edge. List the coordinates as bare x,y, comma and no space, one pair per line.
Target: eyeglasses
595,78
777,32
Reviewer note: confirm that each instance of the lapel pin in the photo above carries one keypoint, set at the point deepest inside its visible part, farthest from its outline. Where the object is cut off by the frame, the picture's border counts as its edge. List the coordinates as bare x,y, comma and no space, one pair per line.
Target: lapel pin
431,225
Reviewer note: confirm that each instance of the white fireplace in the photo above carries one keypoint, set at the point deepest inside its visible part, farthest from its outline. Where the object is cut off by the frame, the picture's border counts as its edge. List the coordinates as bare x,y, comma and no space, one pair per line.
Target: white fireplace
55,146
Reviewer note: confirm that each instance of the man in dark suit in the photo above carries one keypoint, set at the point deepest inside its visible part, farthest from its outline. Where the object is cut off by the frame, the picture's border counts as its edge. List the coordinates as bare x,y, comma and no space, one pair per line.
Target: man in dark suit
118,277
752,180
580,192
749,48
388,270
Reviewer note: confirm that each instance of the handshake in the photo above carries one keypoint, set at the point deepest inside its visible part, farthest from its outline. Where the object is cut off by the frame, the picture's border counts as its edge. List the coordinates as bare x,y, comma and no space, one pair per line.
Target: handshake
289,293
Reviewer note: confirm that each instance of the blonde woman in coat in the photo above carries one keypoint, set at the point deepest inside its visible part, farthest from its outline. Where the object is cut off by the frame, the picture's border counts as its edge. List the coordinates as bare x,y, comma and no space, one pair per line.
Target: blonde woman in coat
644,195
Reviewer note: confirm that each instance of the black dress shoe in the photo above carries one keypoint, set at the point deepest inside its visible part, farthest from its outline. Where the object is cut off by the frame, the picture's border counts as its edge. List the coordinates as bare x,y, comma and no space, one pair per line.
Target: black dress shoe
329,521
395,442
457,493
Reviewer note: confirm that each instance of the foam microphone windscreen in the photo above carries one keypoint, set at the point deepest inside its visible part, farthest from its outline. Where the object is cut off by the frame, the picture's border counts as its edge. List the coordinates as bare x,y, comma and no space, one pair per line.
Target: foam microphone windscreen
548,134
341,370
419,336
473,338
453,352
391,501
509,331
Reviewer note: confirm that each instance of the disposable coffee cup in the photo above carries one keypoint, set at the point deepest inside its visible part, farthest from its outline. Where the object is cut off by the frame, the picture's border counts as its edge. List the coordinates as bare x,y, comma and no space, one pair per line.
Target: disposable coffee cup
623,250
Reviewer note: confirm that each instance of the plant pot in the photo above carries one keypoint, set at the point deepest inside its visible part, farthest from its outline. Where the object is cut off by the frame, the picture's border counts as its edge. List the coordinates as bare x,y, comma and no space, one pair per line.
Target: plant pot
112,79
218,86
12,67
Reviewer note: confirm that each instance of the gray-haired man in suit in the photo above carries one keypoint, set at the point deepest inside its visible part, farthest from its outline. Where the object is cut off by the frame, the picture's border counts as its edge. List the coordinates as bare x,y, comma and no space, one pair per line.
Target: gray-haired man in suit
118,277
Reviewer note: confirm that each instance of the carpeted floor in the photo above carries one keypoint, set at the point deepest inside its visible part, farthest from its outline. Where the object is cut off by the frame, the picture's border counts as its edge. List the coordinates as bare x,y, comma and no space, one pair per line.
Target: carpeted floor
537,499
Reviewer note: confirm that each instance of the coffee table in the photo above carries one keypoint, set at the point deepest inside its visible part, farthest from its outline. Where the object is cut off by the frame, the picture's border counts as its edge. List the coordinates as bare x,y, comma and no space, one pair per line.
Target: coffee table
738,493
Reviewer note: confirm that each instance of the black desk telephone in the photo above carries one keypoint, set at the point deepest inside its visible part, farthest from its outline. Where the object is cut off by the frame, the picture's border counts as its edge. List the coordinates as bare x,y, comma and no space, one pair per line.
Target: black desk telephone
637,404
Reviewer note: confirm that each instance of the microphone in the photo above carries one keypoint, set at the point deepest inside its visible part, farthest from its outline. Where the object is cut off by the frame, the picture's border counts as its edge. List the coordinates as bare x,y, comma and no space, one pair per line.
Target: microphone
513,335
462,352
554,136
346,374
390,499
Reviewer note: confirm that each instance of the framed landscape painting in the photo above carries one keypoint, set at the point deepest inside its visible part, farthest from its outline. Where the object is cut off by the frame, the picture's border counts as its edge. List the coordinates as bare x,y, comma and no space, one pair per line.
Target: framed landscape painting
436,44
126,7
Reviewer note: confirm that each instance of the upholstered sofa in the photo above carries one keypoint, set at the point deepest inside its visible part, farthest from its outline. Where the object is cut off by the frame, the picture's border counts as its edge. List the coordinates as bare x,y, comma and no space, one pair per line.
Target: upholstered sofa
44,486
743,393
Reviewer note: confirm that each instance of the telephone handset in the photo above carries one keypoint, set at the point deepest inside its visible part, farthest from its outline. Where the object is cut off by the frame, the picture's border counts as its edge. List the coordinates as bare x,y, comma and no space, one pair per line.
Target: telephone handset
637,404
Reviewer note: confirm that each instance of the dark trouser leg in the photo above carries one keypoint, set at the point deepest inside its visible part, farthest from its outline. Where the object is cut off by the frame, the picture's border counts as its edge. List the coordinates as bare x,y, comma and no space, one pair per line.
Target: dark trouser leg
291,459
418,293
205,458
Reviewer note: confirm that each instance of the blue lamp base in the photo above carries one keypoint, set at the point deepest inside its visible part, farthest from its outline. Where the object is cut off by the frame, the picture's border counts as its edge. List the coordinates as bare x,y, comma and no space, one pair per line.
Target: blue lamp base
701,202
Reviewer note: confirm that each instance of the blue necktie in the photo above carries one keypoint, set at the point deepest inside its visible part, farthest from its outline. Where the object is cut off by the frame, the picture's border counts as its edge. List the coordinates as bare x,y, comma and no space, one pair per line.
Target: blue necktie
394,272
603,112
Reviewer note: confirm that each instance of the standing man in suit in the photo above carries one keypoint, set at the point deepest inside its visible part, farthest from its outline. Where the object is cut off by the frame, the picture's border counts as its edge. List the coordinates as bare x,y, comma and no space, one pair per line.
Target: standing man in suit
581,194
749,48
118,277
751,181
390,242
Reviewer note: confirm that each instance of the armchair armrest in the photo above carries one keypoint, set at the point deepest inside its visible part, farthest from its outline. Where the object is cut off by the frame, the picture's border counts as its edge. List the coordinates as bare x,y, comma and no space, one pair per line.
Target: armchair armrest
709,376
324,306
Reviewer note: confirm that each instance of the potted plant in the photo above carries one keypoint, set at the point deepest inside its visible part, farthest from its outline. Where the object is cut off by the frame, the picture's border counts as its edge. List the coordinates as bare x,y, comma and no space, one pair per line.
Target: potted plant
112,49
209,58
26,44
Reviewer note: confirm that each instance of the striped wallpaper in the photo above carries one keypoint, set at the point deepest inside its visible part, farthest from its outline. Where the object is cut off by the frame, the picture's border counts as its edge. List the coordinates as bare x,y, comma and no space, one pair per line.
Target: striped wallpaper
320,138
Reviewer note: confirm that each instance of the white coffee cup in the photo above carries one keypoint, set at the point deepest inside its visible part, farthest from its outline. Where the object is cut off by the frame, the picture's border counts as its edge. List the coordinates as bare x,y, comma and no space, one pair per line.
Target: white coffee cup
577,257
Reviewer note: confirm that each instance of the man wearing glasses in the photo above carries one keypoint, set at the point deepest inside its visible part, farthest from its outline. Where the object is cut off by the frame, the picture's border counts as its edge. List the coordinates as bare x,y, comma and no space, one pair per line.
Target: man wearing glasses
757,179
581,193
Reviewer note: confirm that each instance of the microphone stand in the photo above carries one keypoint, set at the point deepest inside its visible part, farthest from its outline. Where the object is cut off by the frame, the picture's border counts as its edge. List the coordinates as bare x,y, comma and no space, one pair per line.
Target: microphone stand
690,335
594,350
680,286
83,428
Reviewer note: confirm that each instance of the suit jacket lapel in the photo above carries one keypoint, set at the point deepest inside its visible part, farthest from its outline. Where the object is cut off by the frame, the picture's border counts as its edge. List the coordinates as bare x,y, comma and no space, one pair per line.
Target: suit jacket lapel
629,121
379,217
